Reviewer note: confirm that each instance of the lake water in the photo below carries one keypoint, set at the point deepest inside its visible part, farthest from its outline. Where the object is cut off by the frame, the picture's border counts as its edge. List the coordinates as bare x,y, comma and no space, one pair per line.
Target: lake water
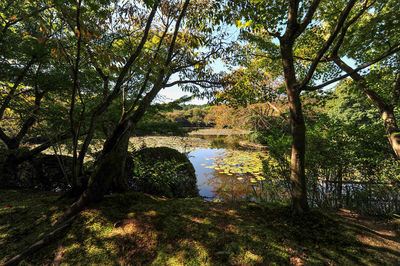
199,160
227,174
224,172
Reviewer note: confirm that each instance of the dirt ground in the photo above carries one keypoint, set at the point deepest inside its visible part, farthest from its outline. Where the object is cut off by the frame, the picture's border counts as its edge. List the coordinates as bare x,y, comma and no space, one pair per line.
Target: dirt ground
378,233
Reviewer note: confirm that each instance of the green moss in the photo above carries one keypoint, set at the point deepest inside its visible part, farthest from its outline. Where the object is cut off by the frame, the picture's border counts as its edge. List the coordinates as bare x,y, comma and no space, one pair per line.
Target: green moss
136,228
163,171
24,216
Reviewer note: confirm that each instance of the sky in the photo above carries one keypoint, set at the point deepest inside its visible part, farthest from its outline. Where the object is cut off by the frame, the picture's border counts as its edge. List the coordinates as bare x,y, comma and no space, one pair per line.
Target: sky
174,93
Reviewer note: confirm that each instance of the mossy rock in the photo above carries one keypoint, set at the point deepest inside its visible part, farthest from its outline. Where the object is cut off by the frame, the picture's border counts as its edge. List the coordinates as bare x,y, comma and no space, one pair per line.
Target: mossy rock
162,171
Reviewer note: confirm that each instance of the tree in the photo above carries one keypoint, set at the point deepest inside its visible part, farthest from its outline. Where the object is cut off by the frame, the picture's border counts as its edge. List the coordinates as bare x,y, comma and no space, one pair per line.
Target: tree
146,43
292,32
377,36
174,48
249,85
30,75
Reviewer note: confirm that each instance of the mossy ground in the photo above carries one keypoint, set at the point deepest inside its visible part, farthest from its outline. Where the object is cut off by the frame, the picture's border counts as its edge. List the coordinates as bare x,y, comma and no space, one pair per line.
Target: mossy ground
136,228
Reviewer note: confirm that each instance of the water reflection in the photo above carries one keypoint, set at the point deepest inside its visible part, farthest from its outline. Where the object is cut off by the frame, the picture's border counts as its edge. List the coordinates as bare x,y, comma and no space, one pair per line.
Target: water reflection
227,187
199,159
228,174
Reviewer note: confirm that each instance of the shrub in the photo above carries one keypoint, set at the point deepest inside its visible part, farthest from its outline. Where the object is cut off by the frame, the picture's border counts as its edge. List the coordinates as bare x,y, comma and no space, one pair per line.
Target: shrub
163,171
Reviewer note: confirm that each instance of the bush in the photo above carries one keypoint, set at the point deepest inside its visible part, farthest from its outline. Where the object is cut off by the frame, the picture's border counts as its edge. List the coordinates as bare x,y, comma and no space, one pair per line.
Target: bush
163,171
42,172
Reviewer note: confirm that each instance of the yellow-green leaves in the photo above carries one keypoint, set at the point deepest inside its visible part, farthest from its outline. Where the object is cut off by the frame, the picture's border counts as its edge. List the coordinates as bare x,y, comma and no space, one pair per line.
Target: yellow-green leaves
240,24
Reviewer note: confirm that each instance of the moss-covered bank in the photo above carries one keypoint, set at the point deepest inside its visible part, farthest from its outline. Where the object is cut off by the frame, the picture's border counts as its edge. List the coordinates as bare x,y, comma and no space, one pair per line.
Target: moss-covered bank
136,228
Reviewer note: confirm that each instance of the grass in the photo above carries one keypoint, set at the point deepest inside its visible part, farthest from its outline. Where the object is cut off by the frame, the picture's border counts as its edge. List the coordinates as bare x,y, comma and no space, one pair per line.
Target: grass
136,228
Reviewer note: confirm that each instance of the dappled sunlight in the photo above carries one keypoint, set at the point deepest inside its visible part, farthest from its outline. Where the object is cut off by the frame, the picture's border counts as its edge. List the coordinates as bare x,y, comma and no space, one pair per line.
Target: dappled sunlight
199,132
136,228
25,216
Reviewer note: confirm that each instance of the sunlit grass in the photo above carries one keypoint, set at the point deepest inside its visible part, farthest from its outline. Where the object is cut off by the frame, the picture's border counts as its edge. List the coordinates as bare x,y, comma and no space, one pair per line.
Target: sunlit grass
135,228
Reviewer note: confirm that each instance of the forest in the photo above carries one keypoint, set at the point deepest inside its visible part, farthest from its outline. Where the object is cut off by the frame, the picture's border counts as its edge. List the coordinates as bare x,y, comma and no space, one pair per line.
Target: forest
280,146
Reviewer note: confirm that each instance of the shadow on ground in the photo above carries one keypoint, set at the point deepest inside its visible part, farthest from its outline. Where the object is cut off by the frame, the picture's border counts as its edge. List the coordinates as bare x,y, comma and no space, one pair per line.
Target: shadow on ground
135,228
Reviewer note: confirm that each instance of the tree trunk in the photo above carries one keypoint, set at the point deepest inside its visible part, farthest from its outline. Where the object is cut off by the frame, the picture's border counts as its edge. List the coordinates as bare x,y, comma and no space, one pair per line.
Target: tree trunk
298,131
392,131
339,178
110,167
108,170
297,169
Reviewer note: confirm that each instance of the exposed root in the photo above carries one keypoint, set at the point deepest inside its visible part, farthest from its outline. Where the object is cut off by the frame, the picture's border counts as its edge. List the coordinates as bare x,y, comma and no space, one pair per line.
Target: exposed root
41,242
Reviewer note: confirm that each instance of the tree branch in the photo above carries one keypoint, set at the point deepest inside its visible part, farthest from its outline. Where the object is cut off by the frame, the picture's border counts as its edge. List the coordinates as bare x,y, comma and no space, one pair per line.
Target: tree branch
335,50
384,55
343,16
308,17
292,24
323,60
135,54
147,76
75,71
279,111
273,34
376,99
158,84
396,90
109,98
31,119
17,82
15,21
197,82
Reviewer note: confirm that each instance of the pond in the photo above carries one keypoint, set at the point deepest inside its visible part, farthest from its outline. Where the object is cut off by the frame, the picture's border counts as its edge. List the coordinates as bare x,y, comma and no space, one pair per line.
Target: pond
224,171
227,172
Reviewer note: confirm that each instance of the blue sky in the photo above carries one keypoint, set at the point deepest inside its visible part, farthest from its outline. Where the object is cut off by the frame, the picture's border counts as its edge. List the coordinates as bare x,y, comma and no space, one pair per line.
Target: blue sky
173,93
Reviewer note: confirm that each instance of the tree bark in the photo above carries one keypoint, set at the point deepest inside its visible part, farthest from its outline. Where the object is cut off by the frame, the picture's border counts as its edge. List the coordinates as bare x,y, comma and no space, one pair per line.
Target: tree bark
108,170
392,130
298,131
108,98
297,169
339,179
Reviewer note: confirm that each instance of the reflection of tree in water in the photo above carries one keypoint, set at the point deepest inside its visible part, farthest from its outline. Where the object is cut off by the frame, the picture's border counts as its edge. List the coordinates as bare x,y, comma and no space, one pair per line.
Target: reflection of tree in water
226,187
237,174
